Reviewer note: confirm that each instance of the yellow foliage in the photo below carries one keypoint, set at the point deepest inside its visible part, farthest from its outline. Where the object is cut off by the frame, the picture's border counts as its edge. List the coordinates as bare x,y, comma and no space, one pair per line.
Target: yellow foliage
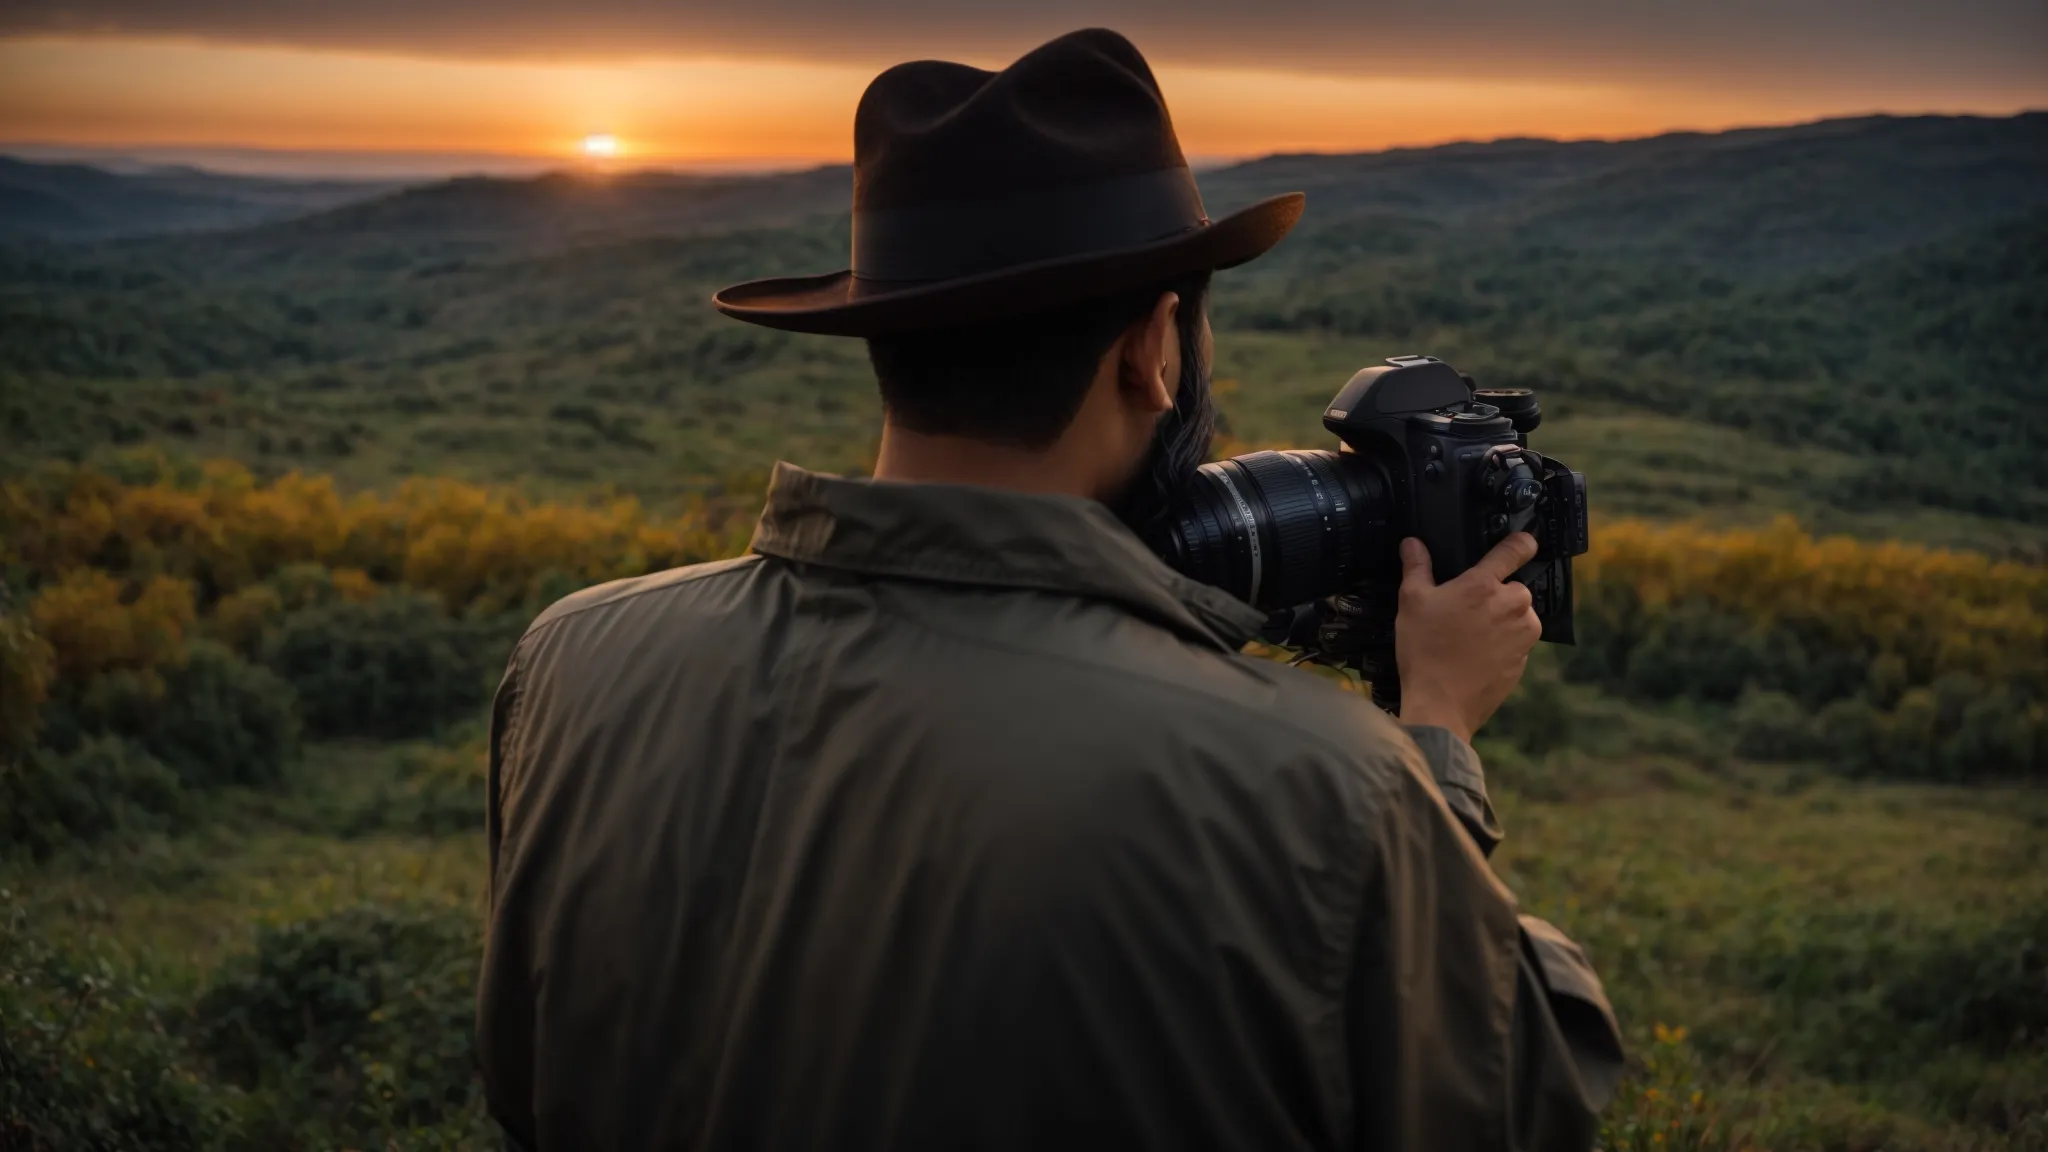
27,665
1937,610
1927,610
354,585
1659,1106
475,547
92,627
241,617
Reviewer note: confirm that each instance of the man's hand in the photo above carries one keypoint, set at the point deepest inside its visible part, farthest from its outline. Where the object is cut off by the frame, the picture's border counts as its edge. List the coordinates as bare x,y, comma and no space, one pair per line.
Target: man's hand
1462,645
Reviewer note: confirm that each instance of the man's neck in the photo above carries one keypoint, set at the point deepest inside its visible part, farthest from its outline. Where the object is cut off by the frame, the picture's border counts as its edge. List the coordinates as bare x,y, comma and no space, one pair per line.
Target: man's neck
918,458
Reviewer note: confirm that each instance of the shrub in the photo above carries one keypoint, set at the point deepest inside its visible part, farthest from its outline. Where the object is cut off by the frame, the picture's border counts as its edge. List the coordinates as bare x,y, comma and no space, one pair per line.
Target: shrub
1773,726
85,1061
27,665
1536,718
221,530
364,1016
1846,601
126,667
1608,616
225,721
246,619
1694,650
1874,994
440,791
48,799
94,624
1662,1107
1854,733
213,717
306,585
1983,729
1989,993
1955,729
243,620
392,666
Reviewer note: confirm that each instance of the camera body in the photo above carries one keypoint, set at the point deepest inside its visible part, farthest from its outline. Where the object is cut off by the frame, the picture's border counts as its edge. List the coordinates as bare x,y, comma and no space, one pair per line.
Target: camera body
1313,537
1461,475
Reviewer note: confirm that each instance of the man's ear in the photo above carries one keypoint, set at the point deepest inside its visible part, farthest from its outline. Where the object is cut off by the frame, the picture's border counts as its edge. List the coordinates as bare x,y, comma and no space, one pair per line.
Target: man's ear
1149,375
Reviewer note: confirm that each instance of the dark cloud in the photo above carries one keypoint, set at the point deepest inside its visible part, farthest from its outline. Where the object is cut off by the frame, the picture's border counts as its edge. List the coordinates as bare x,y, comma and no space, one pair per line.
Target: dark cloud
1775,45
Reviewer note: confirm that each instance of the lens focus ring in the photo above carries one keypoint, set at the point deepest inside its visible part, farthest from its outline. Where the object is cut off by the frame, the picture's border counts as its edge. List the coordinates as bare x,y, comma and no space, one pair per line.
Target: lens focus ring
1278,529
1296,511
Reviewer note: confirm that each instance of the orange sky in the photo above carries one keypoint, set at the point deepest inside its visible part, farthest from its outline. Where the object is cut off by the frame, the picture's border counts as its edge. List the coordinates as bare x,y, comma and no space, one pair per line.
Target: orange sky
135,91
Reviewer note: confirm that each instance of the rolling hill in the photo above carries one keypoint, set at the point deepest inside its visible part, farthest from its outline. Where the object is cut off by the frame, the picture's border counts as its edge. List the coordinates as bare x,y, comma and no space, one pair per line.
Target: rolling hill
77,202
1849,311
1842,320
562,207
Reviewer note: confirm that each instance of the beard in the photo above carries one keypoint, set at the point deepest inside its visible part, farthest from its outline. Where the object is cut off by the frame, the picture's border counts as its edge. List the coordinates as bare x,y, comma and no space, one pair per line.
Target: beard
1180,445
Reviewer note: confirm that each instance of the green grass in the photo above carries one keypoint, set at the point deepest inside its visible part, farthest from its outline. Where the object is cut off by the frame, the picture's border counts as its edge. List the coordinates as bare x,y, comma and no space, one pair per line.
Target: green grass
814,403
1693,896
179,904
1799,927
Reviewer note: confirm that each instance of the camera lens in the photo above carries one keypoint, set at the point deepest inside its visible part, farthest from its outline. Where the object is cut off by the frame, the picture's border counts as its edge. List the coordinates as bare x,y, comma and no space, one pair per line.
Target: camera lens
1277,529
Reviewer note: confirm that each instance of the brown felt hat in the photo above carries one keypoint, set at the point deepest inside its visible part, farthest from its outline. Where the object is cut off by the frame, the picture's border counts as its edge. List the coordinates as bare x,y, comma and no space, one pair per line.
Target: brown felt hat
984,194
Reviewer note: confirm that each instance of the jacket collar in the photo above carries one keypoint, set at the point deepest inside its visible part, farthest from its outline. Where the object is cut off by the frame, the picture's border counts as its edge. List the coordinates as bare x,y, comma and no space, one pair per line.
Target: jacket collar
956,534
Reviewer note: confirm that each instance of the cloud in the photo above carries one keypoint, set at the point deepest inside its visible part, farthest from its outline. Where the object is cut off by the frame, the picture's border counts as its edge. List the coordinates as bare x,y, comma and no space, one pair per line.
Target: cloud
1774,45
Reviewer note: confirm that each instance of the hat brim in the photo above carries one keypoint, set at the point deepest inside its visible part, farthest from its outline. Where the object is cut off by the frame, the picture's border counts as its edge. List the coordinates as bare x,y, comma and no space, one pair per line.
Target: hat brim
842,304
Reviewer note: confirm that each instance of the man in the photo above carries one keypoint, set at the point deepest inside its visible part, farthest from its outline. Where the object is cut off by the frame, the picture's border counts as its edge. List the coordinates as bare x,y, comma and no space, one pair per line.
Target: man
951,817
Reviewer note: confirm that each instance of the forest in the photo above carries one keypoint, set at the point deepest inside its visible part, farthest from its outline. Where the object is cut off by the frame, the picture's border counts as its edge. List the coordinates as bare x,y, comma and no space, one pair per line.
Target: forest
276,500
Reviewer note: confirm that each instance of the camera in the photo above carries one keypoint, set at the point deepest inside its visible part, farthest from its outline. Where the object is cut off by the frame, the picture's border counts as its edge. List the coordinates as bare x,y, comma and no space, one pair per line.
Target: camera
1312,537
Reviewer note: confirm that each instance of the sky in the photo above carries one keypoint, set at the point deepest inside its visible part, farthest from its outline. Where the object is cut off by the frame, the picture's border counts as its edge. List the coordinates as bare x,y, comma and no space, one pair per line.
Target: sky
379,86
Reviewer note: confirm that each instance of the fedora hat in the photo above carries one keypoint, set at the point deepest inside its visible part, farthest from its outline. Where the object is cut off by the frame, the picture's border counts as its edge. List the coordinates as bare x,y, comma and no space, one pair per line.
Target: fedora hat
983,194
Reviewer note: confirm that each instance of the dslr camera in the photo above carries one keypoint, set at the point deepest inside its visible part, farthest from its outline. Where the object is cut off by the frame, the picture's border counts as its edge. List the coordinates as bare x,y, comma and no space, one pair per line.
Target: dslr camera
1312,537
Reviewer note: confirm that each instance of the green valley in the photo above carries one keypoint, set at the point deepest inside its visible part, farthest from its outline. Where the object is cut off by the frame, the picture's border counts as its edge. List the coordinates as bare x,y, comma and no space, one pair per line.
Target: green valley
284,470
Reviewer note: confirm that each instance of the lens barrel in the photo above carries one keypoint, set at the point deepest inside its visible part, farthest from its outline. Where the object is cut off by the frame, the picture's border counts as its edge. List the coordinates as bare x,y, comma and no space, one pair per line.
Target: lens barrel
1278,529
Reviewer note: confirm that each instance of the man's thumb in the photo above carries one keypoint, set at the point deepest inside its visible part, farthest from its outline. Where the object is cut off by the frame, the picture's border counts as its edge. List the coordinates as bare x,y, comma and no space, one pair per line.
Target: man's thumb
1415,563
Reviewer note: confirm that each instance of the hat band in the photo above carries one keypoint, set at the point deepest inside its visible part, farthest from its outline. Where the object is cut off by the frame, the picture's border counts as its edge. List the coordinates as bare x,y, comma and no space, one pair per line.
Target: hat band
955,239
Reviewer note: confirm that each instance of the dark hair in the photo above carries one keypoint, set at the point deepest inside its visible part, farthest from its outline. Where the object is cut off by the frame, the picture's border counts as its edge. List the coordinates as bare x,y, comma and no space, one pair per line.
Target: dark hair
1017,381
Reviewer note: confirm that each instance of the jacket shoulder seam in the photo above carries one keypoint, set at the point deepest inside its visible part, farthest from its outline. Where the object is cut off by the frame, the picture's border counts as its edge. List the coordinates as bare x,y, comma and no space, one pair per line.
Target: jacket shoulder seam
708,570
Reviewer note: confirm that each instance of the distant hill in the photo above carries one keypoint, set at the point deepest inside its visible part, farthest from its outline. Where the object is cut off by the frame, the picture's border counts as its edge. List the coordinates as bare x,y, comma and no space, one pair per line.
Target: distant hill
1859,304
1816,197
72,202
549,209
1750,202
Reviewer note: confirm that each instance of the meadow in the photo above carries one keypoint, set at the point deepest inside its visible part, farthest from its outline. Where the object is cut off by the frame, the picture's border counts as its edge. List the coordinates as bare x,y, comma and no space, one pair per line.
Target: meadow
245,799
275,501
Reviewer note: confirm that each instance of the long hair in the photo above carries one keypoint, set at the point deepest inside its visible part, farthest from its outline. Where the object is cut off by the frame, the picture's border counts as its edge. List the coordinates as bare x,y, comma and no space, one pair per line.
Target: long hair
1181,442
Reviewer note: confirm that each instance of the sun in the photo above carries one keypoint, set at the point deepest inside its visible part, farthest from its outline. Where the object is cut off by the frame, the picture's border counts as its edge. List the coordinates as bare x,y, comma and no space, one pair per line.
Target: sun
600,146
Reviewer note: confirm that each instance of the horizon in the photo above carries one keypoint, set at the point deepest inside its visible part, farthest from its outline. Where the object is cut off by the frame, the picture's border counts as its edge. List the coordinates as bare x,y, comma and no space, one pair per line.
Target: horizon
406,90
370,166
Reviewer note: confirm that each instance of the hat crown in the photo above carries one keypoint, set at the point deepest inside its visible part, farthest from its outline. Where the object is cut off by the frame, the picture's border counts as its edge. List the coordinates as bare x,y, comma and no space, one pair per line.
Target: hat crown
1081,108
959,171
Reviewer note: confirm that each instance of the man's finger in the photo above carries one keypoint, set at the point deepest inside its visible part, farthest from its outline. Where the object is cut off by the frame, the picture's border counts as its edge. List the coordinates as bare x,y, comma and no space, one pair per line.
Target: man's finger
1415,564
1507,556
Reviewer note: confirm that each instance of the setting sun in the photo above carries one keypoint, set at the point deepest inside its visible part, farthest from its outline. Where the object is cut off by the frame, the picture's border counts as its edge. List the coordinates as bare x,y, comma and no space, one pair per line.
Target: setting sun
601,146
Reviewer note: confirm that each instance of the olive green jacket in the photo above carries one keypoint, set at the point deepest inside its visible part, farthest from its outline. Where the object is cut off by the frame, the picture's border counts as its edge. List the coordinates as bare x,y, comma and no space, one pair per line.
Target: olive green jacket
952,818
